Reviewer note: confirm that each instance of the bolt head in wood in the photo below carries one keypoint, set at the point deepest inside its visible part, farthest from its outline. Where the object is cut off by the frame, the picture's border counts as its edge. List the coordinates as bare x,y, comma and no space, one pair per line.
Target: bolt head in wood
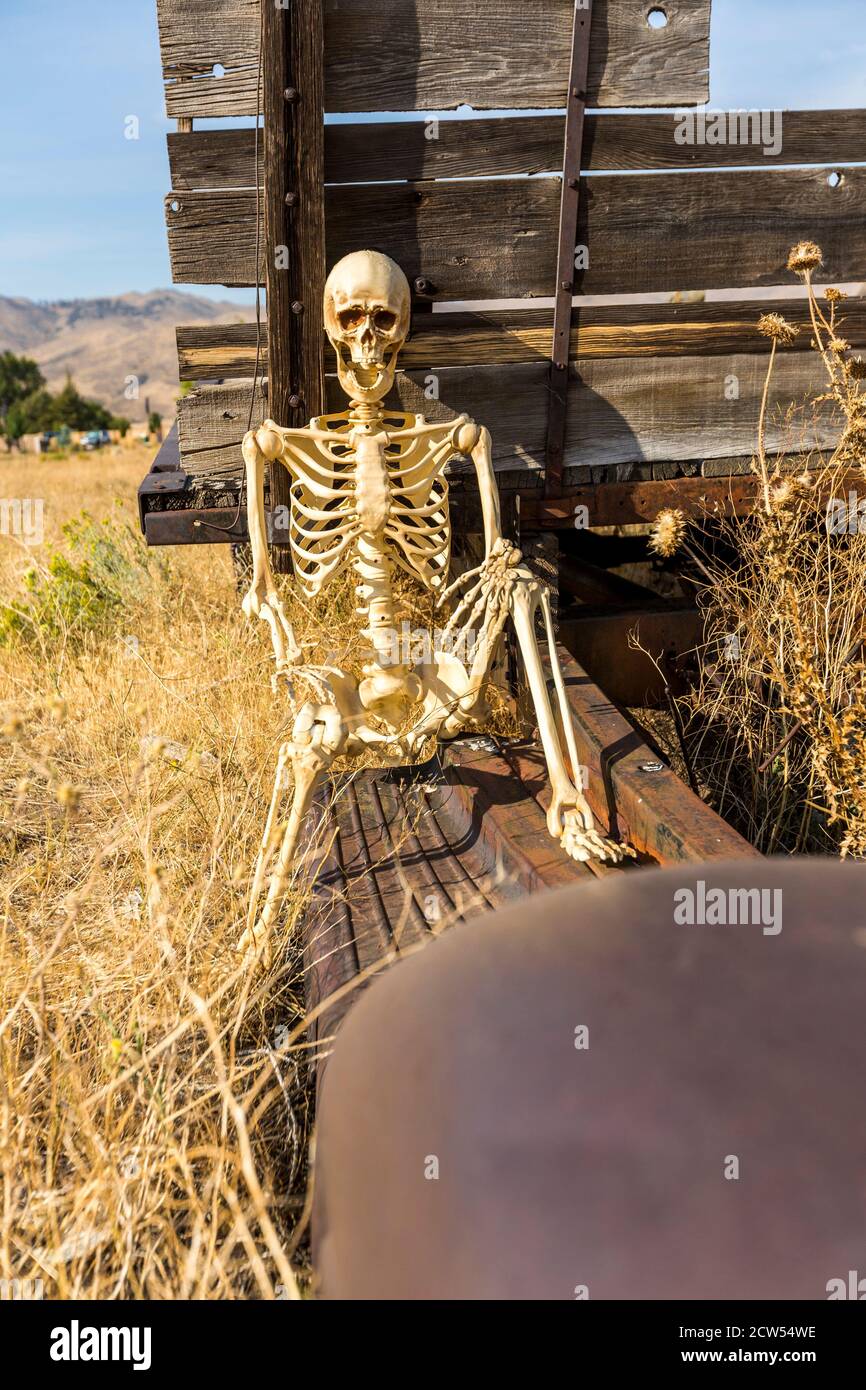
567,284
295,401
297,307
291,94
291,199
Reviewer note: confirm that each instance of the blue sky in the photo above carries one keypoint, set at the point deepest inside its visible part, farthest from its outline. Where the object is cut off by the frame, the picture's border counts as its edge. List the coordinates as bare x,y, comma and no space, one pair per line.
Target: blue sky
81,206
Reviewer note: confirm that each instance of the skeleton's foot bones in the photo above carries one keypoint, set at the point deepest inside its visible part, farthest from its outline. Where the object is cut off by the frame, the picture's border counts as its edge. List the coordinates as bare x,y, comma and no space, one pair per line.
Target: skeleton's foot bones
576,832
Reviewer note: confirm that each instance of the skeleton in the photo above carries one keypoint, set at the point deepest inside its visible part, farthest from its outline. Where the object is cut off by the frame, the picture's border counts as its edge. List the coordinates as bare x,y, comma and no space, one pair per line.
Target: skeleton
368,490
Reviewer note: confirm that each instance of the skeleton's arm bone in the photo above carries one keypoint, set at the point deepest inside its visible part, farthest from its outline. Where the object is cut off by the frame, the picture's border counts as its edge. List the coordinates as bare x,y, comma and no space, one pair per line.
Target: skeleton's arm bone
475,440
255,461
262,600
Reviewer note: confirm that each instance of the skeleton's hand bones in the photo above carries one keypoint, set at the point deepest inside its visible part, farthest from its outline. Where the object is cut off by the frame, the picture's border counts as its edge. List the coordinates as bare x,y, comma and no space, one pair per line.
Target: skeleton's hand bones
497,571
264,603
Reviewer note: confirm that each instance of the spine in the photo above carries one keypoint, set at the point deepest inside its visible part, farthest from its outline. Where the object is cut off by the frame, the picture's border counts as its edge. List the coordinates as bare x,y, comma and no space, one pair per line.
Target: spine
375,597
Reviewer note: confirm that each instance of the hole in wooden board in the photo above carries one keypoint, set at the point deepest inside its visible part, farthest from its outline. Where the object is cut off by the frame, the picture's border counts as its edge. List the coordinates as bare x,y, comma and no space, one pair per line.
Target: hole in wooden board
174,205
835,179
218,70
657,18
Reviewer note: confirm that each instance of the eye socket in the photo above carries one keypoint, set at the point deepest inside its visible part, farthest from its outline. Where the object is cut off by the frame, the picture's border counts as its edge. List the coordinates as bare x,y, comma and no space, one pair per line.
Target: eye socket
384,319
351,318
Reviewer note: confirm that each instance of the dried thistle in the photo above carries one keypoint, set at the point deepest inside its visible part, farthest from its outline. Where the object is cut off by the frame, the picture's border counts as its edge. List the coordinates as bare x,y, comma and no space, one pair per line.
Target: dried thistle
775,327
58,709
782,494
668,533
68,796
834,296
805,257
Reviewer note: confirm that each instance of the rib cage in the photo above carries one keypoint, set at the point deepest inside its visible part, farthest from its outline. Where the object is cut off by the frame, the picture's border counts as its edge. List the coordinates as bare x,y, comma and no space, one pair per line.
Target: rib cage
324,524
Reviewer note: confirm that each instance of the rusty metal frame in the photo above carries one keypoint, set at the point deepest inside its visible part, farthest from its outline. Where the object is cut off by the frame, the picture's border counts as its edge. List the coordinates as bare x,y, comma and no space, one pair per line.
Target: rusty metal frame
635,795
569,212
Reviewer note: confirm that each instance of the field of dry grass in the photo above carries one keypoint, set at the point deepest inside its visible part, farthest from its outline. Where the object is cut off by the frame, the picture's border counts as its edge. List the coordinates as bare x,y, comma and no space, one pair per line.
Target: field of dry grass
153,1122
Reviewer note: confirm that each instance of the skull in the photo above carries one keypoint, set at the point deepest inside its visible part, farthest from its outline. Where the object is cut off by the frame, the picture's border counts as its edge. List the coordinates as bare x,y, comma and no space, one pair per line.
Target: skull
367,307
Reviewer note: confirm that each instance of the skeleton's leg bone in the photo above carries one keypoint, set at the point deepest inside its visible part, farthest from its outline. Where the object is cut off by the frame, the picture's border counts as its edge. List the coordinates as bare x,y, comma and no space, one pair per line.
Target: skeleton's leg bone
569,819
268,834
308,767
559,684
318,737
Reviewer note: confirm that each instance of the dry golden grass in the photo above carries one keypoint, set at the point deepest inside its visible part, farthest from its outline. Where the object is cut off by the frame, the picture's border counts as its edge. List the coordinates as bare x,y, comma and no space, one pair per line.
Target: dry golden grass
154,1091
153,1104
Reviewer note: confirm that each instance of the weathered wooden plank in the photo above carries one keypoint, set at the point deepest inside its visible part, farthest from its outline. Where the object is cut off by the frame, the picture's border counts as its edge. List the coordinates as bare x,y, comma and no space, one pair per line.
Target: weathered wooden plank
382,150
425,228
495,238
196,35
212,238
656,409
209,352
181,519
231,94
398,55
211,423
213,159
656,140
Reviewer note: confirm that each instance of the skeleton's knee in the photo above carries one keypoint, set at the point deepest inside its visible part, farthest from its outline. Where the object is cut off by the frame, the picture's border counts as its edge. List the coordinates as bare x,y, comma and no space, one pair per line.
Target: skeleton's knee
525,594
321,726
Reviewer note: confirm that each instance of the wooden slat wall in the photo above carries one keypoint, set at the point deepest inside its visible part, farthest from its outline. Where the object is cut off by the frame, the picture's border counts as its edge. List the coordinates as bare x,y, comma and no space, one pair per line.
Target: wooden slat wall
496,238
415,55
451,204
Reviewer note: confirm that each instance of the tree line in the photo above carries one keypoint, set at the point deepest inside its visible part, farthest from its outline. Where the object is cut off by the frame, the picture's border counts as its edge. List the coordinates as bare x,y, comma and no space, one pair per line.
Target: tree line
28,407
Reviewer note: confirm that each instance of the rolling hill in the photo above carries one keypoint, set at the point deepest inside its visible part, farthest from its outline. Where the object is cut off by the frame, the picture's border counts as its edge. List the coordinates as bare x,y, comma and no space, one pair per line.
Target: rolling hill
102,342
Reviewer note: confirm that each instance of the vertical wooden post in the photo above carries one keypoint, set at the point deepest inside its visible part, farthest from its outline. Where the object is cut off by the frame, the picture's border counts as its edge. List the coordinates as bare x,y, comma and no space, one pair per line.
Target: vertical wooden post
293,87
565,267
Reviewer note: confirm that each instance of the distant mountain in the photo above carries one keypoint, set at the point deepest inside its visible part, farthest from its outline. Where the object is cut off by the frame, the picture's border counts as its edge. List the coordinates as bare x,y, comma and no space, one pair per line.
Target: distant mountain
101,342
